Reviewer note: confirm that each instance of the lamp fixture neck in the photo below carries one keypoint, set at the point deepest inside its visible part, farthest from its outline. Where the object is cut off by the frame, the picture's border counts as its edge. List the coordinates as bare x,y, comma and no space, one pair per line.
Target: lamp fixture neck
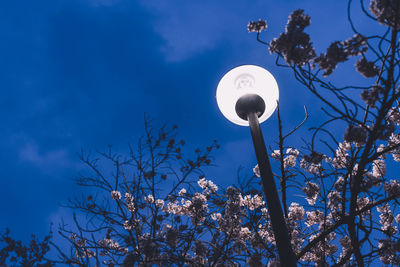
249,103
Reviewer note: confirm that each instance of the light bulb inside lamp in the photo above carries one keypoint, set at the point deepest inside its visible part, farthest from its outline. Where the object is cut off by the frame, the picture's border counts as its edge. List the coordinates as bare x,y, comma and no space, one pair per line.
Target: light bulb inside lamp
247,80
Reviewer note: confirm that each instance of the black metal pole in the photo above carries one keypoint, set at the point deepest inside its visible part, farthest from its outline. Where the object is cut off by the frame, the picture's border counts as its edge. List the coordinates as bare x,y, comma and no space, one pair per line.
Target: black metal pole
286,255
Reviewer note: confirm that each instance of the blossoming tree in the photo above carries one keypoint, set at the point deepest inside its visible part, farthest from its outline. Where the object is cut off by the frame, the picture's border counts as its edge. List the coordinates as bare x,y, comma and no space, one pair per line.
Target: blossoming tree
352,200
153,209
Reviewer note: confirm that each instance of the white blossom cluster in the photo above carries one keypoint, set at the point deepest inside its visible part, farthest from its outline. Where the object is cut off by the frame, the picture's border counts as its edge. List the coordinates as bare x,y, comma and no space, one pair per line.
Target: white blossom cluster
346,246
362,202
130,205
291,157
207,185
116,195
334,200
296,212
110,244
159,203
386,220
149,199
394,139
341,158
392,187
394,115
182,192
276,154
106,242
128,226
310,167
252,203
314,217
196,207
257,26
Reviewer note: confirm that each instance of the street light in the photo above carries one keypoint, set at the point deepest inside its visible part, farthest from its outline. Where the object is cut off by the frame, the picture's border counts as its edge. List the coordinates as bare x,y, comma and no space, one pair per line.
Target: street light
247,95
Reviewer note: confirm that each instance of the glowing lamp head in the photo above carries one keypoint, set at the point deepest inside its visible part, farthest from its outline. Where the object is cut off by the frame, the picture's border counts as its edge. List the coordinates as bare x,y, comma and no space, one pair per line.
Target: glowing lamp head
247,85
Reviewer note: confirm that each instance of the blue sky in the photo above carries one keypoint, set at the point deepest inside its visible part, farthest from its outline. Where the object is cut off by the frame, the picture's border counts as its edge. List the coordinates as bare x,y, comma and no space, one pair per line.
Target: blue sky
81,74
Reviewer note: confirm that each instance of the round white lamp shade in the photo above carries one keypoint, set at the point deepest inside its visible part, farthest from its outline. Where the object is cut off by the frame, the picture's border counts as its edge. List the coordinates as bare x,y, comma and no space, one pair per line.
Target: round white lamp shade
242,80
